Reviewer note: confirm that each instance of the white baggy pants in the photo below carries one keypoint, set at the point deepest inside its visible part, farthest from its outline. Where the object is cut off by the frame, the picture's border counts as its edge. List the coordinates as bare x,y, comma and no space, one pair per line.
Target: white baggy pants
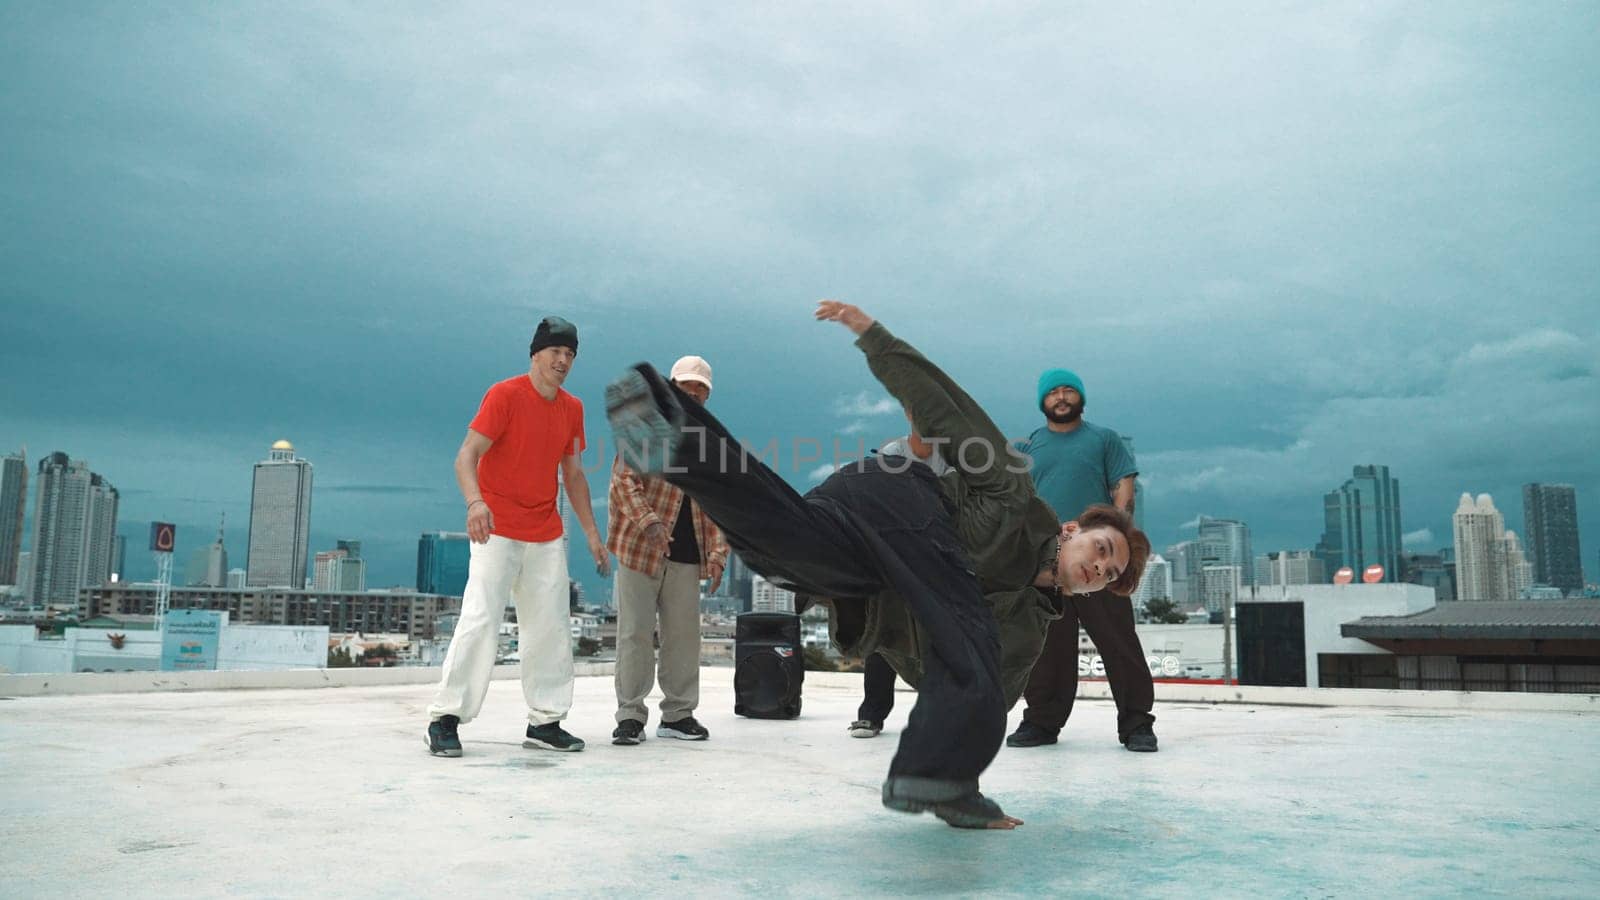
535,578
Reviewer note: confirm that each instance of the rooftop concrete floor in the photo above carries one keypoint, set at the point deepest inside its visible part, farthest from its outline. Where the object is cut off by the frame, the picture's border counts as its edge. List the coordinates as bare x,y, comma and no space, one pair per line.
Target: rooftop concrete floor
286,793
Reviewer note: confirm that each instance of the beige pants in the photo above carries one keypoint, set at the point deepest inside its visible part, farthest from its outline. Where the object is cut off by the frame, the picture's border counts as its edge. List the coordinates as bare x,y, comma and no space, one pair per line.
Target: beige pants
673,597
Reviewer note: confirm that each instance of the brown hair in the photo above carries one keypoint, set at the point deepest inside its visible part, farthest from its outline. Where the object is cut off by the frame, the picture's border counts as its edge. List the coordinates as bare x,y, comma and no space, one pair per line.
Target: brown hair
1103,516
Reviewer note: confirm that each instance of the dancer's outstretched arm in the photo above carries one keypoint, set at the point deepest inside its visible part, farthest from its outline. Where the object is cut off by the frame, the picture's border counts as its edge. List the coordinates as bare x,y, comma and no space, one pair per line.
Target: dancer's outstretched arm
965,435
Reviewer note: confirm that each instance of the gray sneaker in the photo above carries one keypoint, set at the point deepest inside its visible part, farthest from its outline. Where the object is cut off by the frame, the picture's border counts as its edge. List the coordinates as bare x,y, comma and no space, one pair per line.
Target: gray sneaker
551,736
645,419
861,728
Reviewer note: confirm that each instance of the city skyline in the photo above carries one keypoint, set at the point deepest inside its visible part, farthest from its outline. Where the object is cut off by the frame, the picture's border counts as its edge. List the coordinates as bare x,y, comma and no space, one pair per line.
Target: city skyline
1275,242
407,561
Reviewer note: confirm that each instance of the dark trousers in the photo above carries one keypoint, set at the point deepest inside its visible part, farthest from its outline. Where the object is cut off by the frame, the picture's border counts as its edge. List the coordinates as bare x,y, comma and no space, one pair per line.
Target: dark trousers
878,690
1053,684
863,531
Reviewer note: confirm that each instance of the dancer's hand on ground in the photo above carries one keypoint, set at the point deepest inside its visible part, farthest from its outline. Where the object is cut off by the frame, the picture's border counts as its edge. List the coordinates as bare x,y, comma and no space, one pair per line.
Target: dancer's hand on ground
602,559
845,314
480,522
1004,823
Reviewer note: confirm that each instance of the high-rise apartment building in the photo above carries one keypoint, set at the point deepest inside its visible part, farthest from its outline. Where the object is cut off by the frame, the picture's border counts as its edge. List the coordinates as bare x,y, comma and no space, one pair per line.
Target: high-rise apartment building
442,558
1480,545
768,597
1219,587
74,530
13,502
1361,523
341,569
1550,523
280,520
1155,584
1519,570
1284,567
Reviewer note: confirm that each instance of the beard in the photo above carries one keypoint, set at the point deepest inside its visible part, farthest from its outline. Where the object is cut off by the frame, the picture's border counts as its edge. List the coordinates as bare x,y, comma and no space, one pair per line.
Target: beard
1073,414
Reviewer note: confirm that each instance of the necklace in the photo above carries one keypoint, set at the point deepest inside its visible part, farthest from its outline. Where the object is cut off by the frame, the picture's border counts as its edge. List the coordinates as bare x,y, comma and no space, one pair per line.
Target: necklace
1055,577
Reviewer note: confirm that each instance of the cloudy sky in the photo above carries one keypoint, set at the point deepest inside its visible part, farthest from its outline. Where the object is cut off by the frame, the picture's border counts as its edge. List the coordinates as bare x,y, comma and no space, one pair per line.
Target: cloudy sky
1276,239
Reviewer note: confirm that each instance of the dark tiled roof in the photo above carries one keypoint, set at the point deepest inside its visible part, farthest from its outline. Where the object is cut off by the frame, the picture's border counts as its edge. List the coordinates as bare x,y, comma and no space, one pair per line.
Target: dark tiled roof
1496,620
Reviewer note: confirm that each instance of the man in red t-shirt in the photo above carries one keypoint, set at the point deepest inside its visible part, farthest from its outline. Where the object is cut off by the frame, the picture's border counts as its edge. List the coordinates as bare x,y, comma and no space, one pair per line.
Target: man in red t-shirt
526,429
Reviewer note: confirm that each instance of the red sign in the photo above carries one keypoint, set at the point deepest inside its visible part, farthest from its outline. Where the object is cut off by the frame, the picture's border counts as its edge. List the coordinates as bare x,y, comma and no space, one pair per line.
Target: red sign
163,537
1344,575
1372,574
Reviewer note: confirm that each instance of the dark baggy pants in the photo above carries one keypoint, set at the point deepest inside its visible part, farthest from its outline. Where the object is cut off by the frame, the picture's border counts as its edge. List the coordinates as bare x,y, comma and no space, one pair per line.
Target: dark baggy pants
1053,684
862,531
877,689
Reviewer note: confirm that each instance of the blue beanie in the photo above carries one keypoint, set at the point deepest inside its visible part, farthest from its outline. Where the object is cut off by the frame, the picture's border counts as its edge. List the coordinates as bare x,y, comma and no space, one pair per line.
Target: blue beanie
1055,378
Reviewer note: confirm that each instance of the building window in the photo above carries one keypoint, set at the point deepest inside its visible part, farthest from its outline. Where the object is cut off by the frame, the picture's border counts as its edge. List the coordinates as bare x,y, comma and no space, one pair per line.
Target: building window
1370,671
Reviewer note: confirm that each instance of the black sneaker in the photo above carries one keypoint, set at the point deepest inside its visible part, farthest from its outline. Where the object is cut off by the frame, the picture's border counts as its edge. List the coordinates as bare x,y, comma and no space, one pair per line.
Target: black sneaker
551,736
685,729
442,738
1030,735
1141,740
628,733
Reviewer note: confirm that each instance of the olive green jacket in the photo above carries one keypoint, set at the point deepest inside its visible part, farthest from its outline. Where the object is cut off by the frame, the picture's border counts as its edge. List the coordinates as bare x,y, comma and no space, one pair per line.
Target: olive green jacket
1007,530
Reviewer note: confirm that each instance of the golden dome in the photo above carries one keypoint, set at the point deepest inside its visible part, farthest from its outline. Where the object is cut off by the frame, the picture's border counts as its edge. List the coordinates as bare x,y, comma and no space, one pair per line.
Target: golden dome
283,445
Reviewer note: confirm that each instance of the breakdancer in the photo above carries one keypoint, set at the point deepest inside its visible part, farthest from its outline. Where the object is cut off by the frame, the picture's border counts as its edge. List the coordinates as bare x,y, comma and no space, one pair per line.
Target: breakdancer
952,579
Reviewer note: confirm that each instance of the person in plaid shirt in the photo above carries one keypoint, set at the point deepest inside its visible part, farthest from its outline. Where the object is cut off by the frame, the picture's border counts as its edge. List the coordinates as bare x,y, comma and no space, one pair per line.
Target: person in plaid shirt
664,545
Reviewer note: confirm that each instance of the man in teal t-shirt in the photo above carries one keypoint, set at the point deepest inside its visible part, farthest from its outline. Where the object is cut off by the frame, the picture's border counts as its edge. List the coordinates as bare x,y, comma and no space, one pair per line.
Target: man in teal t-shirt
1077,464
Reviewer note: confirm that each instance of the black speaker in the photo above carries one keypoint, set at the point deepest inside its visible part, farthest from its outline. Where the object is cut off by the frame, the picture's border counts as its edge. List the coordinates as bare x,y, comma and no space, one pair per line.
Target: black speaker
769,666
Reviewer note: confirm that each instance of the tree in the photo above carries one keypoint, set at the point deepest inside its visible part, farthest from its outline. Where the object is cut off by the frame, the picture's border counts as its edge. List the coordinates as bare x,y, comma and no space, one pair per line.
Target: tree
588,646
339,658
1164,611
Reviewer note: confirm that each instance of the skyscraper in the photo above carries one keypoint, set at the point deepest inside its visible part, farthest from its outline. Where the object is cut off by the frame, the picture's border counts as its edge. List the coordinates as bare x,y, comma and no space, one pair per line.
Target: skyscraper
280,520
1361,523
74,530
1226,542
208,566
13,501
1550,523
1480,550
442,558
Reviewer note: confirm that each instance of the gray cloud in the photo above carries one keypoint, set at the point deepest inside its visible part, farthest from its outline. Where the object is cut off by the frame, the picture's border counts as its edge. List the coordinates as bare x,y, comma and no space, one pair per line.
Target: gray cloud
1275,241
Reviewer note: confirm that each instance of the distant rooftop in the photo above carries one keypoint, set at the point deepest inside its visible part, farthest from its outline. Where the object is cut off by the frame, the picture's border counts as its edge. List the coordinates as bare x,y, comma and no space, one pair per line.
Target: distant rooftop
314,792
1488,620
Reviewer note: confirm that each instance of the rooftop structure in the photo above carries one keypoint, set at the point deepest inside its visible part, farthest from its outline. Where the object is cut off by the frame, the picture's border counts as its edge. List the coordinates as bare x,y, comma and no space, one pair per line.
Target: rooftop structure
275,792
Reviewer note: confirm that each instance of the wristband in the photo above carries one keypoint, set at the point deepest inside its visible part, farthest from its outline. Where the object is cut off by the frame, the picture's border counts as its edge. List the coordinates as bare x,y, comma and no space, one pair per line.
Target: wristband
479,500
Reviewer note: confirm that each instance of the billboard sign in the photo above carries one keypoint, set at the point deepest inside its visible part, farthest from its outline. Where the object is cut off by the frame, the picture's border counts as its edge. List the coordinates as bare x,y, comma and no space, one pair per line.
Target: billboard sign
163,537
189,640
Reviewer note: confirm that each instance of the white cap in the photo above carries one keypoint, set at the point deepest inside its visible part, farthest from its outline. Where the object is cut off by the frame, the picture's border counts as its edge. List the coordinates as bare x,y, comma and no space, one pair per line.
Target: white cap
692,368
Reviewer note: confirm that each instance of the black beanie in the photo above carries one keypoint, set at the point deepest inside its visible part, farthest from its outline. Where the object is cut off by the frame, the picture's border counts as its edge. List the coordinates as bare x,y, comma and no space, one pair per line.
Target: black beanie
554,331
